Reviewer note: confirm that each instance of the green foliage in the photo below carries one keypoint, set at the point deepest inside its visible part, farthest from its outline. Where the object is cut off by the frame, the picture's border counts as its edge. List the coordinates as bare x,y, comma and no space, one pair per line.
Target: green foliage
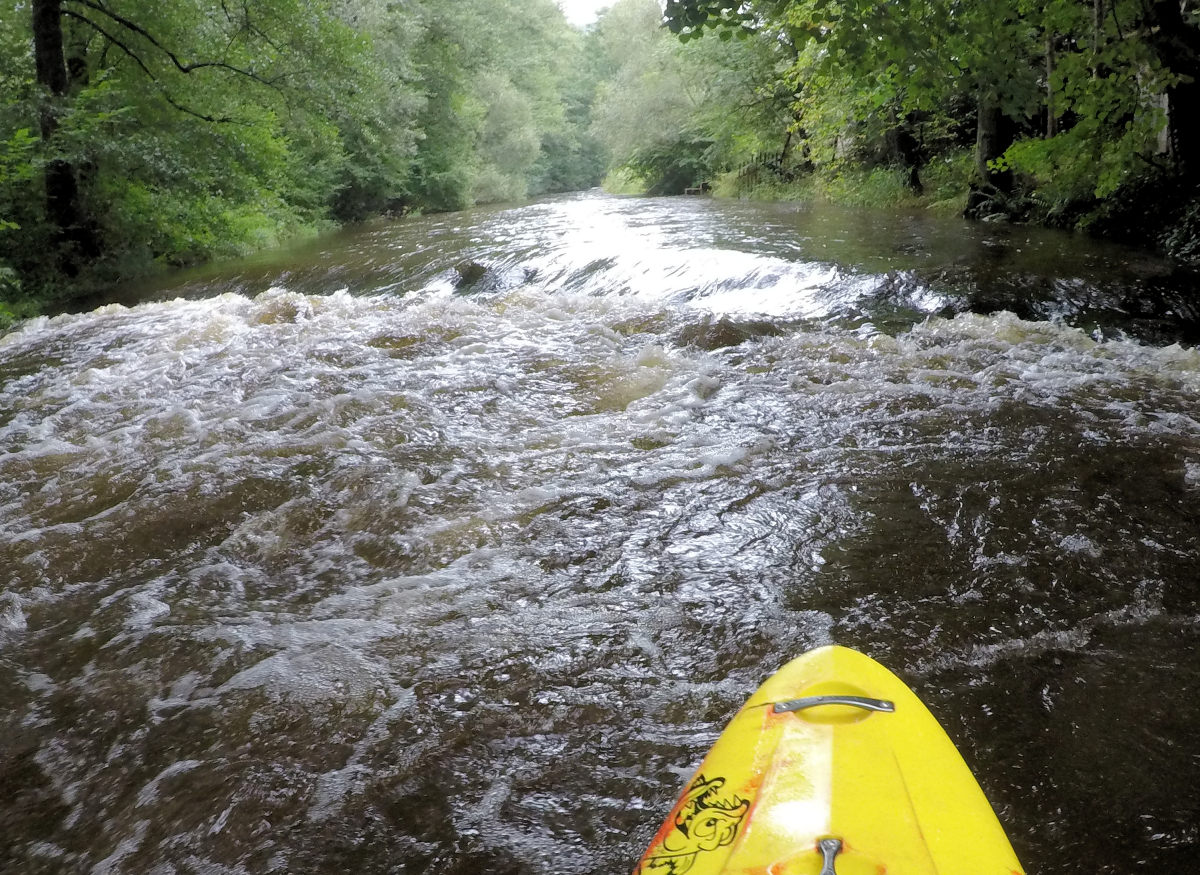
194,131
671,166
509,143
10,284
194,135
876,187
946,178
508,103
848,185
17,170
1084,164
18,140
714,103
690,18
15,305
1118,119
1083,102
622,180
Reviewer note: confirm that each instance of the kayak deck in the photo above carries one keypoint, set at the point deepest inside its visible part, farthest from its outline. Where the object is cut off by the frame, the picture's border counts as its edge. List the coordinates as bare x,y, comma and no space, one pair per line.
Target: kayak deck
832,749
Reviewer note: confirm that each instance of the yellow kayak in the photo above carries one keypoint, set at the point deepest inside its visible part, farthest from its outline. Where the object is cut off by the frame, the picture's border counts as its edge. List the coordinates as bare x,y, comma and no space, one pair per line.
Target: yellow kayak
833,766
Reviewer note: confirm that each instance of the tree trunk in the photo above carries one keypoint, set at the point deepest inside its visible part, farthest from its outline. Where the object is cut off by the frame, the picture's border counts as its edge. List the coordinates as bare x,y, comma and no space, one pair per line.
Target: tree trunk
63,209
1177,45
1051,112
993,136
906,149
48,51
797,142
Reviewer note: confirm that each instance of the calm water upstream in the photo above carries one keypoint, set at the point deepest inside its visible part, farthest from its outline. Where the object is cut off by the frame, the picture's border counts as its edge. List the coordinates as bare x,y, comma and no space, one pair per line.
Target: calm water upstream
344,563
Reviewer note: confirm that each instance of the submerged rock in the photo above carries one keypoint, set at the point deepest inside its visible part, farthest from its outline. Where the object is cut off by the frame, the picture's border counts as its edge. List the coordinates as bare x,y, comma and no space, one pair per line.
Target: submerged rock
469,273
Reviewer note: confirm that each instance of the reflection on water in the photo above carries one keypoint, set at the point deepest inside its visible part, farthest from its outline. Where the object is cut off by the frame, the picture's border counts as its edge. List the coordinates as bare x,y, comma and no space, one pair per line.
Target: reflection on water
347,564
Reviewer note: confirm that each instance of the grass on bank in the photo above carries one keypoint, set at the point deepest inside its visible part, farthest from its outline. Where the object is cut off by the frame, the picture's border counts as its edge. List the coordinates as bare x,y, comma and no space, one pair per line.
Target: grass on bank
945,184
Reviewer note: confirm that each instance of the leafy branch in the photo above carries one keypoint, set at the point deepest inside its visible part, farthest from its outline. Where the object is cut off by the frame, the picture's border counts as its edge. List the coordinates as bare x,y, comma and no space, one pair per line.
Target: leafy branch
122,33
132,55
135,28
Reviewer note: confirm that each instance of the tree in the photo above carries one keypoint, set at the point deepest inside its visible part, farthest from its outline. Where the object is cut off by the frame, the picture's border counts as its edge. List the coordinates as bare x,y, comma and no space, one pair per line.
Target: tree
715,102
243,77
178,132
139,133
507,112
1100,79
63,209
1174,39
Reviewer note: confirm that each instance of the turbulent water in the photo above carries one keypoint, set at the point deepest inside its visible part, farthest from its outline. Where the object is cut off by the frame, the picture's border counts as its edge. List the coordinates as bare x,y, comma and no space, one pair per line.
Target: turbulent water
361,562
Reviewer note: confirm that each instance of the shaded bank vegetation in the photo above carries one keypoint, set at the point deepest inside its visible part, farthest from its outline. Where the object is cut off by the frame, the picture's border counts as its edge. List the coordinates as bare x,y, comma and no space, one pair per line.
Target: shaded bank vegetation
1076,113
136,134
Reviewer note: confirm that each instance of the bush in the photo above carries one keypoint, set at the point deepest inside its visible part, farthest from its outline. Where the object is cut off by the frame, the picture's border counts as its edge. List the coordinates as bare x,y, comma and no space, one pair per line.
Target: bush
14,305
947,180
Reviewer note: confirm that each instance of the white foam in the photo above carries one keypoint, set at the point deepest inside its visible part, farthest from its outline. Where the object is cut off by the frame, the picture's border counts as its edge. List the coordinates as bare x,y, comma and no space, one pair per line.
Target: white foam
149,792
328,672
145,610
12,618
111,865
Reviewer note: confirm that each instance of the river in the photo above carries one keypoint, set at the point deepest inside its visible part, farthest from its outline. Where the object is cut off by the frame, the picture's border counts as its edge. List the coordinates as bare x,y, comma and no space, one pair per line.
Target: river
449,544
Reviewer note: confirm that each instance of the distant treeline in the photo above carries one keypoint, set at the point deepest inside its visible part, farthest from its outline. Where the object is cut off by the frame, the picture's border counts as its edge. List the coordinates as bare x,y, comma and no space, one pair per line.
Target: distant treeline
136,133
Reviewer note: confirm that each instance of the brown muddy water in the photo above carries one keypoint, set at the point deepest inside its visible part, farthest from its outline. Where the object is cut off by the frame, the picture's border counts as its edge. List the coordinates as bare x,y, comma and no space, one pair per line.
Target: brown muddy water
338,561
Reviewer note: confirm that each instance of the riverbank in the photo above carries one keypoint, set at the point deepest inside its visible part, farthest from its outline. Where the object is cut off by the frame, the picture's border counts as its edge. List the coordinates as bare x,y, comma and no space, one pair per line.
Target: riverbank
42,289
1159,214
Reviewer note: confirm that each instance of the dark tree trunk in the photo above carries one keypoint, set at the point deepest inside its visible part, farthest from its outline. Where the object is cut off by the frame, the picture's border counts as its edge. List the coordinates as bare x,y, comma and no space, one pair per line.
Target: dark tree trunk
904,148
994,133
63,208
1177,45
908,148
797,142
1051,113
48,53
1183,106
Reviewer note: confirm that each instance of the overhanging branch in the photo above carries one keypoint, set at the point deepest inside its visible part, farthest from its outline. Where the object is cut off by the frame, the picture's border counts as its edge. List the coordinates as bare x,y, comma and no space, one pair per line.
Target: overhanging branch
135,28
133,56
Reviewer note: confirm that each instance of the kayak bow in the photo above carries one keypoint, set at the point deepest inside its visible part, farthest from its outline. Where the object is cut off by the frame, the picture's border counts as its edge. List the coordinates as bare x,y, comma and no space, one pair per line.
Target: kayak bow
832,766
